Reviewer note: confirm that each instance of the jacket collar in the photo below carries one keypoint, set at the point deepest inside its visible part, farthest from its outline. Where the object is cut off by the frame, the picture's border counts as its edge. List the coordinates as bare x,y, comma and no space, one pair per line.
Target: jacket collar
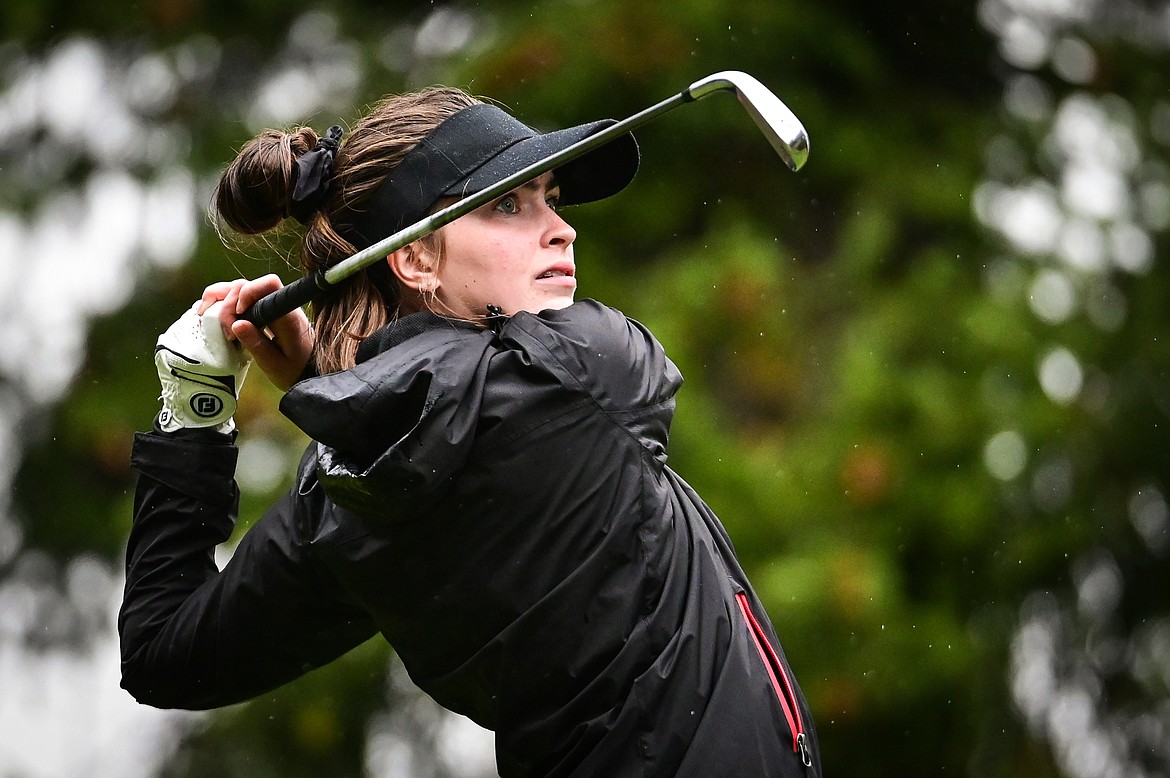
403,329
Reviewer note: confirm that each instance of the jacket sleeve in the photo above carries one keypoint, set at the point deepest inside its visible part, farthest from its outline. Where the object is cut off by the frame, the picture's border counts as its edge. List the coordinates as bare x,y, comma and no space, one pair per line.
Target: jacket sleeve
195,637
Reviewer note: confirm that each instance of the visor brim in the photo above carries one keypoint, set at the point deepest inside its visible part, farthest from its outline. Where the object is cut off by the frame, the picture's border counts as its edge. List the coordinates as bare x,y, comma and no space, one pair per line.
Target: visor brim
597,174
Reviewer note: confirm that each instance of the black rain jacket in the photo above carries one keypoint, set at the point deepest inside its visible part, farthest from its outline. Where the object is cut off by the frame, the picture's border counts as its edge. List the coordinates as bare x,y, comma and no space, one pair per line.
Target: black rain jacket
496,503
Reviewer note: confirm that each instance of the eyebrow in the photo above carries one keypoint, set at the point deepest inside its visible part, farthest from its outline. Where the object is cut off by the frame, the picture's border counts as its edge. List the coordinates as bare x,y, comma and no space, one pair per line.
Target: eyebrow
535,184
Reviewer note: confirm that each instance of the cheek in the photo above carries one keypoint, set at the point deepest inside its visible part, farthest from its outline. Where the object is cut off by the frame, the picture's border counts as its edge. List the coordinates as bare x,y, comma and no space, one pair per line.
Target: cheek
481,270
496,263
486,265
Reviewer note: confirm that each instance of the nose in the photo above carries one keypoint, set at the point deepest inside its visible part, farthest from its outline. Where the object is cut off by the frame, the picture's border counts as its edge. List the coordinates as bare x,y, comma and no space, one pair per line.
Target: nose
558,232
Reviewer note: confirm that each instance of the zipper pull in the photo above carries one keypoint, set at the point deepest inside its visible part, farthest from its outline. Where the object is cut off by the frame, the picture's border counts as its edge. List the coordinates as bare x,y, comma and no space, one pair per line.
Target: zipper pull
496,318
802,744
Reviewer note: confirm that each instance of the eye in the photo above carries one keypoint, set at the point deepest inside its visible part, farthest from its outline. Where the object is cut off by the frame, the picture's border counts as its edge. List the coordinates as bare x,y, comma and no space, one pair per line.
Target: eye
508,204
553,200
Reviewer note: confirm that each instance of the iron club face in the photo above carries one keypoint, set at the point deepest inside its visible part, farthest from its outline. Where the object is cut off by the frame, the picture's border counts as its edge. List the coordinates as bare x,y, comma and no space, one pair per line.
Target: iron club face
773,118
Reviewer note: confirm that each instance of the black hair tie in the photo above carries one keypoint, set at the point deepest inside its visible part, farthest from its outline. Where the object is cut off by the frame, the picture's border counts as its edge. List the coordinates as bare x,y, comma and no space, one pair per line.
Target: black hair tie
313,176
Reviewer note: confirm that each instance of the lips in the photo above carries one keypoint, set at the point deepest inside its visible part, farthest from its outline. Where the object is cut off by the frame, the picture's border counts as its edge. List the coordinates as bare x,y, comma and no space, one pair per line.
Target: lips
561,270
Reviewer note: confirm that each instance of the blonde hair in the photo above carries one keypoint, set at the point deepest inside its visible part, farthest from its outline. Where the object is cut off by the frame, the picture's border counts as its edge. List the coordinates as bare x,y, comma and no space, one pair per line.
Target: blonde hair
254,196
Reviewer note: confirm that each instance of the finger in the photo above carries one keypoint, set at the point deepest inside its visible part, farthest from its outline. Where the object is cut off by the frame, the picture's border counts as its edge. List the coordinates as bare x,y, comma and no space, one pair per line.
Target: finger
291,335
291,330
254,290
213,294
268,355
252,338
226,311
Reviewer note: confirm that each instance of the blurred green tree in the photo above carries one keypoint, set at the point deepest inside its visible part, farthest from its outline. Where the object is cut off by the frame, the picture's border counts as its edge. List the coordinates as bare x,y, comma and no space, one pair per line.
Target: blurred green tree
926,377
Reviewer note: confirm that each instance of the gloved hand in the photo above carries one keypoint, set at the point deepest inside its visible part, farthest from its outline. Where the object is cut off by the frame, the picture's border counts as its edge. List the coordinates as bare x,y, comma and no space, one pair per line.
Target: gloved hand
201,373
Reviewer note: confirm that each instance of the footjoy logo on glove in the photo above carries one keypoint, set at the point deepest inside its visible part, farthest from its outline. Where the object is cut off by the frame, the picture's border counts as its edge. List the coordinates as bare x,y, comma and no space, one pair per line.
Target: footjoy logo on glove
206,405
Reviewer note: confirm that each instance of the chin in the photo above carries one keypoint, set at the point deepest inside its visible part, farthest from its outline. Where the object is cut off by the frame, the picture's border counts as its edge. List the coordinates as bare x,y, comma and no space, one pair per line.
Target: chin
556,304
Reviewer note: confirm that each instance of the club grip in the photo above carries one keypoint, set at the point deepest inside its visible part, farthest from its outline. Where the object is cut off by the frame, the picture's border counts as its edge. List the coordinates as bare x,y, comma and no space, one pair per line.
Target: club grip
285,300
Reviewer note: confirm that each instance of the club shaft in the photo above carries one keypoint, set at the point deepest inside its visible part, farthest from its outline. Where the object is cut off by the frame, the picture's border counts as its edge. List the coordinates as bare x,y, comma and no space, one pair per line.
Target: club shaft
305,290
439,218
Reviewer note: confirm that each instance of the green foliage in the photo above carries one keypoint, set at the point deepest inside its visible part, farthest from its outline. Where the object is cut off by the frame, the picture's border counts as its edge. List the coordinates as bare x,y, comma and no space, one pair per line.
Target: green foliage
853,340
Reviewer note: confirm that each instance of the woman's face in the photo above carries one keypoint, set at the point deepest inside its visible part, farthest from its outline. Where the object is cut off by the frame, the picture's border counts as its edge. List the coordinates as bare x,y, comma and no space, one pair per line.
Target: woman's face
515,252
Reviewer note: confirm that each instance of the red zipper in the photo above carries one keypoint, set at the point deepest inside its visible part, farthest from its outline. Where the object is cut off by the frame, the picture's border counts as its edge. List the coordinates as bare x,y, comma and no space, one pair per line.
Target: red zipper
780,681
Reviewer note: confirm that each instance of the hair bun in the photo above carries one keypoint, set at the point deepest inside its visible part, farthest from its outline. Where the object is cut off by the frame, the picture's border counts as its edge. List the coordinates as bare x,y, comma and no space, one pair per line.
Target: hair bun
255,192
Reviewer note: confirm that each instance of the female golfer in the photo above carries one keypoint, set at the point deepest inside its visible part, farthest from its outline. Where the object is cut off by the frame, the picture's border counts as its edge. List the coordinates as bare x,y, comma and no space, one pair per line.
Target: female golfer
486,485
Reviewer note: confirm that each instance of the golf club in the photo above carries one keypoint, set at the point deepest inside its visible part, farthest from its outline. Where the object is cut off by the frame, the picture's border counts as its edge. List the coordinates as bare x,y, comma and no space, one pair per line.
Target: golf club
778,124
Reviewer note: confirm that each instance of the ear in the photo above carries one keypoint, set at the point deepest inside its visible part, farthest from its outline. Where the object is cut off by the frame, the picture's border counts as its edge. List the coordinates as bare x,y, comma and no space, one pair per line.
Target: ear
414,267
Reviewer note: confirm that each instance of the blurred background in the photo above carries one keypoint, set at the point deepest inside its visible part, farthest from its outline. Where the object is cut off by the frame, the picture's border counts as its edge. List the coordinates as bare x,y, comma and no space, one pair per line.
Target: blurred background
927,376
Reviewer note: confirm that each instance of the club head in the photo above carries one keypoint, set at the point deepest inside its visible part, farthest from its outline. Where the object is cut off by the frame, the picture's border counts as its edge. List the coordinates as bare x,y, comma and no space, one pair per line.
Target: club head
776,121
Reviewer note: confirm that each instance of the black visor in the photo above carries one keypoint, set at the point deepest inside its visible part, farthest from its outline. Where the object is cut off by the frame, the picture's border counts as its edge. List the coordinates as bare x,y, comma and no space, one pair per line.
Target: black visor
477,147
